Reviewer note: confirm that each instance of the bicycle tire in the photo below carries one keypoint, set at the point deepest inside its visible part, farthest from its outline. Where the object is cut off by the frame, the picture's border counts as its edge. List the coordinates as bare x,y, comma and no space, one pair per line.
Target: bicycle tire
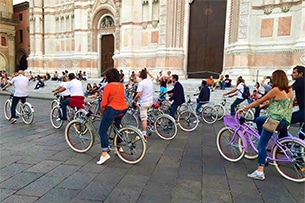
220,111
209,114
130,118
252,152
54,103
165,127
55,117
130,145
230,146
79,136
27,113
7,109
293,170
183,107
188,121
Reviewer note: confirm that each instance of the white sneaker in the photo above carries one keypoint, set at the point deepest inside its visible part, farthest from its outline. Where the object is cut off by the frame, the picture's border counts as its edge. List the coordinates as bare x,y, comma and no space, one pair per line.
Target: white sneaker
103,159
13,120
257,175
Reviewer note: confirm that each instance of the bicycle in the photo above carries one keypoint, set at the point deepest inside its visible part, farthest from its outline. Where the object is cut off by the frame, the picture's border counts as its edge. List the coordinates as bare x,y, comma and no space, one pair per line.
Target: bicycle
207,111
287,154
25,110
224,108
127,142
157,121
56,114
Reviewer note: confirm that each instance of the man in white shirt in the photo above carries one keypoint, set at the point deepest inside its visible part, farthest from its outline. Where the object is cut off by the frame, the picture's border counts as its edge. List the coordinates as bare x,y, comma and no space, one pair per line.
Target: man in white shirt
21,86
144,98
238,90
75,88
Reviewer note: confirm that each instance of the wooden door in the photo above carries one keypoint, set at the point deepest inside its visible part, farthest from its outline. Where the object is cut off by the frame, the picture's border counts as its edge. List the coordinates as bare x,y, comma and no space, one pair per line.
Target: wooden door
206,38
107,42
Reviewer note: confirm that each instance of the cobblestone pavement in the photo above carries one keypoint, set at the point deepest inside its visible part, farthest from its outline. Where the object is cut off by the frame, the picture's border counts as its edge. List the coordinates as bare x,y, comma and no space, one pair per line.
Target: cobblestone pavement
36,165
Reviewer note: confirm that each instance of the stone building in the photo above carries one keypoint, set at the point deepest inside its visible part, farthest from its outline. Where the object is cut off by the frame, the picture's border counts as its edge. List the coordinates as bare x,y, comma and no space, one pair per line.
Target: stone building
22,36
192,38
7,34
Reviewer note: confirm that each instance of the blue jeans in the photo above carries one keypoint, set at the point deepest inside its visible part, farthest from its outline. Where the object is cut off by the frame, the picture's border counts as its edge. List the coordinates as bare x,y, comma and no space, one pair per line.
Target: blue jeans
173,110
222,84
265,137
14,104
299,117
110,114
234,105
63,104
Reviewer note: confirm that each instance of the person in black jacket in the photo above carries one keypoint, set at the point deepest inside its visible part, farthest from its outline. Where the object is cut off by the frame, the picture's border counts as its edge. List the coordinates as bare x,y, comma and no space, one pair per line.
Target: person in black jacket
176,95
204,95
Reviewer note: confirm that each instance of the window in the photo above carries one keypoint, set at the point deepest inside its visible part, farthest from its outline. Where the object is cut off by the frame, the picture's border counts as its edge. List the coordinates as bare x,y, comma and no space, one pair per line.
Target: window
20,36
3,41
20,17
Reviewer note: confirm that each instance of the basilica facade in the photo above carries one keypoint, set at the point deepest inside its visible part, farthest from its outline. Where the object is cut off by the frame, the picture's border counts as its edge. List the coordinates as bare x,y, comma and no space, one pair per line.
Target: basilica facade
191,38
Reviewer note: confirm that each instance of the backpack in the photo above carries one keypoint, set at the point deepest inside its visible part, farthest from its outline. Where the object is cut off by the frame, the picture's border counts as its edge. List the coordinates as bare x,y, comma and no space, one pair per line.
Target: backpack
246,93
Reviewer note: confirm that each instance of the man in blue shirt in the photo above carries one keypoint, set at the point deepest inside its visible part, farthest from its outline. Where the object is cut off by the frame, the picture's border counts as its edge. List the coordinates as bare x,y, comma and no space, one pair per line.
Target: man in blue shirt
204,96
176,94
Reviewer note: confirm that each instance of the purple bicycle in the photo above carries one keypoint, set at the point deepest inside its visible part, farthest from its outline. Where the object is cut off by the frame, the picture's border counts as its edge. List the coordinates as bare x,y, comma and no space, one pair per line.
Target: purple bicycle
238,139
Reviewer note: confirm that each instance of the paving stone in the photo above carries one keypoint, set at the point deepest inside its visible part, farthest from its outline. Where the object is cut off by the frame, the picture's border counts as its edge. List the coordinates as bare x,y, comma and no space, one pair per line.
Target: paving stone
63,171
58,195
20,180
4,193
77,181
186,191
44,166
20,199
41,186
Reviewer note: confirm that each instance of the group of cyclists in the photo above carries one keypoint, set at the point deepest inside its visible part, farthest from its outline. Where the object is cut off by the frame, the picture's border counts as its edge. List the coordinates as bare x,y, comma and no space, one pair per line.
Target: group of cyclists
114,105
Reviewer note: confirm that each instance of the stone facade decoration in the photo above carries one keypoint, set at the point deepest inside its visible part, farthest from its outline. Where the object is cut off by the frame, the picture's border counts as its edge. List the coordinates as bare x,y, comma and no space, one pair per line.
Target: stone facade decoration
260,35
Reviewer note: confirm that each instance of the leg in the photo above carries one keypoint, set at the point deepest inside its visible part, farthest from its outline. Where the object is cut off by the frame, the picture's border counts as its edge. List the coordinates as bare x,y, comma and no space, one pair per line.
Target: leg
173,110
299,117
13,107
143,117
257,112
198,106
234,105
64,105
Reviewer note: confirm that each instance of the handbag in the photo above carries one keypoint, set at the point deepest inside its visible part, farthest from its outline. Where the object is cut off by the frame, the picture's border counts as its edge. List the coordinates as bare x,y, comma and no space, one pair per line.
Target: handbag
103,109
270,124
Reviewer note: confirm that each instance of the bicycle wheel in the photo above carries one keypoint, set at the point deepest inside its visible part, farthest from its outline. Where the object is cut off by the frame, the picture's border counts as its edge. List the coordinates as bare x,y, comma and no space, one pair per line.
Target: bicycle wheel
289,159
209,114
78,136
183,107
55,117
249,115
220,111
230,145
166,127
27,113
129,144
252,140
188,121
55,102
130,118
7,109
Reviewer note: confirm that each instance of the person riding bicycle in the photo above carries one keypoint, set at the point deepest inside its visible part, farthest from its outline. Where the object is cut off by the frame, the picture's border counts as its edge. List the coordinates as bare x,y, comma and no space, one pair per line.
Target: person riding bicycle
176,95
21,86
65,94
280,108
77,95
204,96
113,107
144,98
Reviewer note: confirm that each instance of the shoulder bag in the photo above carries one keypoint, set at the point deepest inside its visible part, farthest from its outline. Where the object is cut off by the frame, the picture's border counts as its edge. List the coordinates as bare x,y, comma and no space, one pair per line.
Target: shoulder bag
270,124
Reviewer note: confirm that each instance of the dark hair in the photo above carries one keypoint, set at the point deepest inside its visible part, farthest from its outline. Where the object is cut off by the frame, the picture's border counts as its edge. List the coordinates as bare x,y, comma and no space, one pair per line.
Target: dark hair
71,76
226,76
280,80
112,75
203,82
258,85
143,73
300,69
163,83
175,76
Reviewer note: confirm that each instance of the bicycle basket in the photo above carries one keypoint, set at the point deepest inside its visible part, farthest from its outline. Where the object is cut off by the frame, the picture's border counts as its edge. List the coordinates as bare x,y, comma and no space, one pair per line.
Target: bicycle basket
156,105
230,121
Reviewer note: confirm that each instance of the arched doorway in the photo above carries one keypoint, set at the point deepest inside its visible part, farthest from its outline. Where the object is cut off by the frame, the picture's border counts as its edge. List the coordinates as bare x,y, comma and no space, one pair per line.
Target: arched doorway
21,62
107,51
206,38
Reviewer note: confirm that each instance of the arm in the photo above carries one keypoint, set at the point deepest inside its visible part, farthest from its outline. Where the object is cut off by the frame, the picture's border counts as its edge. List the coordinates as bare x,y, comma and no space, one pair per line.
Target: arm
271,94
6,86
58,90
150,75
231,92
138,95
